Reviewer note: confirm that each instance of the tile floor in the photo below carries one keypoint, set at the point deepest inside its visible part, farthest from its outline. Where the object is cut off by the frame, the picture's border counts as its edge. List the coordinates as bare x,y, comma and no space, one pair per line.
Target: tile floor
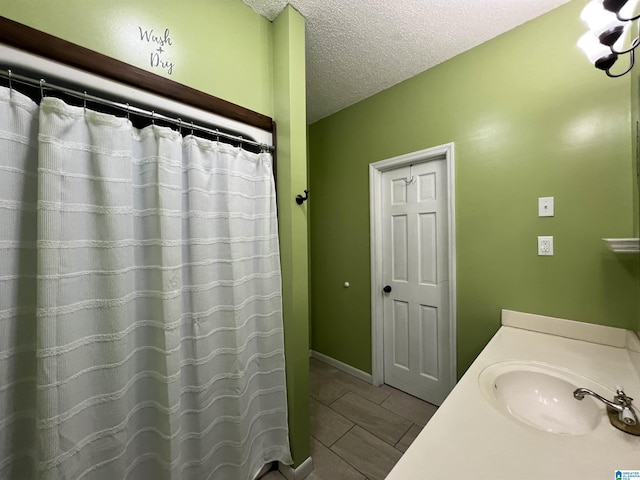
358,431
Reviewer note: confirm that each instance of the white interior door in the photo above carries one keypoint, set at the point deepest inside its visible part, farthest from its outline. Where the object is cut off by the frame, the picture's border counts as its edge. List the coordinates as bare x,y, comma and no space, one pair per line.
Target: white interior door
417,333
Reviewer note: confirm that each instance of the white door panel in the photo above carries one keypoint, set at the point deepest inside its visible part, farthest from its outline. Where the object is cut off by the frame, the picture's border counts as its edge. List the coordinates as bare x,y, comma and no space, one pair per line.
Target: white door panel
415,266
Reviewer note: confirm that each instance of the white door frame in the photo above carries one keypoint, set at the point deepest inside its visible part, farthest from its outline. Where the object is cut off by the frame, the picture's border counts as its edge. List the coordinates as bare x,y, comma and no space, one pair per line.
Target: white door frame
442,152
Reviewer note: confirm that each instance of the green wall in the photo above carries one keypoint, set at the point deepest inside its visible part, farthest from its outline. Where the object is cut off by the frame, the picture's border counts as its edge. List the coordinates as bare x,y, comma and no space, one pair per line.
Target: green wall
530,117
290,106
221,47
224,48
635,143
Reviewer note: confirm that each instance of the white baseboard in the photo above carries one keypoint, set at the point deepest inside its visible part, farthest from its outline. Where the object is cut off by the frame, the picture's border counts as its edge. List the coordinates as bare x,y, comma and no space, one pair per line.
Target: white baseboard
300,473
353,371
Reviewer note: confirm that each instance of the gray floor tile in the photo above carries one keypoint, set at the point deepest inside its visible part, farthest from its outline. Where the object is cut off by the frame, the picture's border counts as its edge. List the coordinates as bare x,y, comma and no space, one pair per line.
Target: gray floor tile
409,407
324,390
329,466
364,389
367,453
386,388
273,476
327,425
405,442
329,383
373,418
387,422
318,367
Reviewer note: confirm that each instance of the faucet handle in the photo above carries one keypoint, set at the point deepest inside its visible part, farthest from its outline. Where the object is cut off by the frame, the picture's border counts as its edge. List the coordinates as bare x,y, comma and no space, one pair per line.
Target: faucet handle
628,417
622,397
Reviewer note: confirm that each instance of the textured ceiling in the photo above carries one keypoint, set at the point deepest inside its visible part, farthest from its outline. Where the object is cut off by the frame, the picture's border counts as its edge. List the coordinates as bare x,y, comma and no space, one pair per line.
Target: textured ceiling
356,49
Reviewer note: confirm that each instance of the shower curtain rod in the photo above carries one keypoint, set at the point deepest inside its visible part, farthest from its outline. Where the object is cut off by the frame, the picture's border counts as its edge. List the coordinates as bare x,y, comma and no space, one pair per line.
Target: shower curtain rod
125,107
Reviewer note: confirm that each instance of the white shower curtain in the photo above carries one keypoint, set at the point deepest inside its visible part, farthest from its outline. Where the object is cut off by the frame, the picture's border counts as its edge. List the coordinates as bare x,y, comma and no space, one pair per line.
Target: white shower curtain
140,301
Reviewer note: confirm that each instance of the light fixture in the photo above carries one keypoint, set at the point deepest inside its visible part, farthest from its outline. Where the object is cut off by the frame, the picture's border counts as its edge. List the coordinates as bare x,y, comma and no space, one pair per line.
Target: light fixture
607,30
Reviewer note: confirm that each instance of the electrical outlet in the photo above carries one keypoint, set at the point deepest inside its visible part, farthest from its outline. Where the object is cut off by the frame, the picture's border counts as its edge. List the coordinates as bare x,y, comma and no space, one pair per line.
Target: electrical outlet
545,246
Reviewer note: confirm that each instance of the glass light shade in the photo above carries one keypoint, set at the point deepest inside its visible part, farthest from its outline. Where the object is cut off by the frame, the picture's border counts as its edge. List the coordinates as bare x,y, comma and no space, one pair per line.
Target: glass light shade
598,19
592,47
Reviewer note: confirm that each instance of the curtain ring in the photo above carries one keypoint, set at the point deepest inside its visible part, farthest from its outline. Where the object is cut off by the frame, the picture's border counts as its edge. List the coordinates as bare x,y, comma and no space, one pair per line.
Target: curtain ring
42,82
180,126
84,101
10,85
217,136
191,128
153,117
241,139
128,117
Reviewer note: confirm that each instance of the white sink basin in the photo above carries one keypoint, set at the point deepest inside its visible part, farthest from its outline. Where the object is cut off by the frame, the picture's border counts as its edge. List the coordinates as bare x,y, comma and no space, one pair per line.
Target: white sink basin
541,396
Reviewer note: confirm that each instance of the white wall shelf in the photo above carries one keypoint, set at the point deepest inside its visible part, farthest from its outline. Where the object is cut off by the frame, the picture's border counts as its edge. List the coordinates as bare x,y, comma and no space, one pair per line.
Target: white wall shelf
623,245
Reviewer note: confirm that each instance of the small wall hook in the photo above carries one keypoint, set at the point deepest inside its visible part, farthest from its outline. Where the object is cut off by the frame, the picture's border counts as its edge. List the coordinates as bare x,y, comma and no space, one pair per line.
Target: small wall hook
300,199
410,179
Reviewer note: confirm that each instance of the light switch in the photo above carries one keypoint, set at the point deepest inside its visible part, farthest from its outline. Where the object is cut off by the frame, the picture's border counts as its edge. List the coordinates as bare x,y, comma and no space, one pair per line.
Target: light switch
545,207
545,246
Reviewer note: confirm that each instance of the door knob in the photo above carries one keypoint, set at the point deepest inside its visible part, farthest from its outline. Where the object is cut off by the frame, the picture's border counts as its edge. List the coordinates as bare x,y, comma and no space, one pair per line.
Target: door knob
387,289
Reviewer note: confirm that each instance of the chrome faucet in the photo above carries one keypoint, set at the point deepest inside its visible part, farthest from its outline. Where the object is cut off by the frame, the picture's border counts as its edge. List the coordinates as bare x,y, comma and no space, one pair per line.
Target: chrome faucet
621,404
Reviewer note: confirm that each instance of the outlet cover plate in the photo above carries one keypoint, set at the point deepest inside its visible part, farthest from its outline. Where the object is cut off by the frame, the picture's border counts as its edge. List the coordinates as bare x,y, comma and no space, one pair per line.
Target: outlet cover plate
545,207
545,246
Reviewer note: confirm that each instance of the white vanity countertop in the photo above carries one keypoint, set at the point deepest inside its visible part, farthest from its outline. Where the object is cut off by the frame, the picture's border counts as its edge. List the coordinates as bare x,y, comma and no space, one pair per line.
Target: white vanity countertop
469,439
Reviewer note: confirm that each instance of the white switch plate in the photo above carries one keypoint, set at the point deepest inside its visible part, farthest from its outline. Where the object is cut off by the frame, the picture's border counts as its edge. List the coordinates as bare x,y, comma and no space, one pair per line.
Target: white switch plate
545,207
545,246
